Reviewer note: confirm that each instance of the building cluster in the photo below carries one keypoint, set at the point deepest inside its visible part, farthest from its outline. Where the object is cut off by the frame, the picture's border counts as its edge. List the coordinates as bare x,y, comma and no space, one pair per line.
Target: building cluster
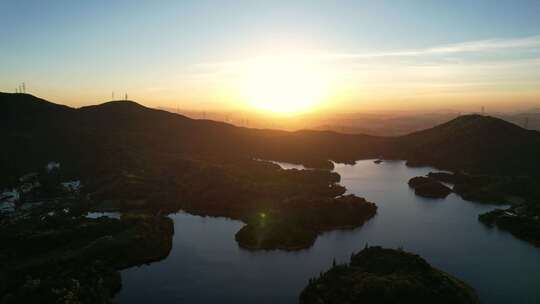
24,195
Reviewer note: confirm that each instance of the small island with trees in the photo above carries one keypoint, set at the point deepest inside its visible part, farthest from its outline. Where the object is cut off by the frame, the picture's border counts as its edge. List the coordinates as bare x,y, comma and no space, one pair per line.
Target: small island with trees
379,275
429,187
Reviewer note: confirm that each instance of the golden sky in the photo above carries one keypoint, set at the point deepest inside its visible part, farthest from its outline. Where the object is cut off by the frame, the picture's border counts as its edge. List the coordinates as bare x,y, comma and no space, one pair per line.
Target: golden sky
277,57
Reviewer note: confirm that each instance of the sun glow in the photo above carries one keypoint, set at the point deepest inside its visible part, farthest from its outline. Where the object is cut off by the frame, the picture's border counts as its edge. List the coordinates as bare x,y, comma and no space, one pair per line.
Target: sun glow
285,84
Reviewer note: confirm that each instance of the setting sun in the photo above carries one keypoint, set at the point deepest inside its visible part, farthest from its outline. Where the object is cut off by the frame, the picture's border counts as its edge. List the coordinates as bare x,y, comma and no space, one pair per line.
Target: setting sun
284,84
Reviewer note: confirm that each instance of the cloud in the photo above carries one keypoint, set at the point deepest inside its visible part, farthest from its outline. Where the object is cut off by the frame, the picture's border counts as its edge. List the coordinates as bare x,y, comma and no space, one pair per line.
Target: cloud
465,47
530,43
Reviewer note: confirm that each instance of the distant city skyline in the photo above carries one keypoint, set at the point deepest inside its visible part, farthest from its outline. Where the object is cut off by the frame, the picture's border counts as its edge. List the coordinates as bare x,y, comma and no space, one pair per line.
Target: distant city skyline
276,56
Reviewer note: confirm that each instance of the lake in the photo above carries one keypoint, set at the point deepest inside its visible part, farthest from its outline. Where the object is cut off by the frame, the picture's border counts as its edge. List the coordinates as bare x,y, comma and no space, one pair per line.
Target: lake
207,266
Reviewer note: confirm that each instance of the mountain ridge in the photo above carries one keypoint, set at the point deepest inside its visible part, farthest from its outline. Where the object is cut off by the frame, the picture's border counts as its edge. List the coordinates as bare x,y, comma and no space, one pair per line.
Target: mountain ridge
39,131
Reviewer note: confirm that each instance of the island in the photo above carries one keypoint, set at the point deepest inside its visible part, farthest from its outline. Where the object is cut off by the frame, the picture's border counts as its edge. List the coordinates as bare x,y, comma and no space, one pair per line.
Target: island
489,189
282,209
379,275
429,187
522,218
297,227
523,221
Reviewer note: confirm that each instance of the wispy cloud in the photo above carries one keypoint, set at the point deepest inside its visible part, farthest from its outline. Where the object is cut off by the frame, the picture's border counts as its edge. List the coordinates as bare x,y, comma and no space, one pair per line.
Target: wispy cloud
509,45
465,47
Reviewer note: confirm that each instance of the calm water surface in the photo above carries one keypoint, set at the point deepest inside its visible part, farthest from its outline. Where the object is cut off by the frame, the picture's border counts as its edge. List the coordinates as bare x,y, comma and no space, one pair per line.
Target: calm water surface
207,266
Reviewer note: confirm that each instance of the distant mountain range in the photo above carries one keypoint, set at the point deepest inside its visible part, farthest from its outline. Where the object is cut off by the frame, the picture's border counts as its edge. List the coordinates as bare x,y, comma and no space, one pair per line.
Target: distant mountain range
121,134
373,123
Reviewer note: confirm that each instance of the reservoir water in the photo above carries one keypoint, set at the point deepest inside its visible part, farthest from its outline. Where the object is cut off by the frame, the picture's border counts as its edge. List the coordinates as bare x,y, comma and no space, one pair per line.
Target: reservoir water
207,266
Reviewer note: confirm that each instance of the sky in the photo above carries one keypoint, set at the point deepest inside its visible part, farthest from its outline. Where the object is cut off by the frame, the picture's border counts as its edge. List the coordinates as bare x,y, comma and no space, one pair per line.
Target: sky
276,55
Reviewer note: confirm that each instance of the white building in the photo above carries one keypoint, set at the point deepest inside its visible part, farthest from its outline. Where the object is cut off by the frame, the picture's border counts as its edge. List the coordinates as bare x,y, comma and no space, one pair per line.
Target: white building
9,196
52,165
73,186
7,201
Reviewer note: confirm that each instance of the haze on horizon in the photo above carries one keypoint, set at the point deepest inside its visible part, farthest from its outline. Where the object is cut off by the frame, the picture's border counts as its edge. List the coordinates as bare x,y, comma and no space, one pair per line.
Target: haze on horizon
276,56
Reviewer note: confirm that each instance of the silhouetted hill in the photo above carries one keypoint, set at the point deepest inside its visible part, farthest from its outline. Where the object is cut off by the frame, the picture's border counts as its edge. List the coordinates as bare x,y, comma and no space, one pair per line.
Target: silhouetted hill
474,143
27,103
124,134
25,111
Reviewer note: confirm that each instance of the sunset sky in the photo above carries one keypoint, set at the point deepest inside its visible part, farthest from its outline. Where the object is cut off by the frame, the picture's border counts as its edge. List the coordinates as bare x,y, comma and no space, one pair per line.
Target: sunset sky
276,55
